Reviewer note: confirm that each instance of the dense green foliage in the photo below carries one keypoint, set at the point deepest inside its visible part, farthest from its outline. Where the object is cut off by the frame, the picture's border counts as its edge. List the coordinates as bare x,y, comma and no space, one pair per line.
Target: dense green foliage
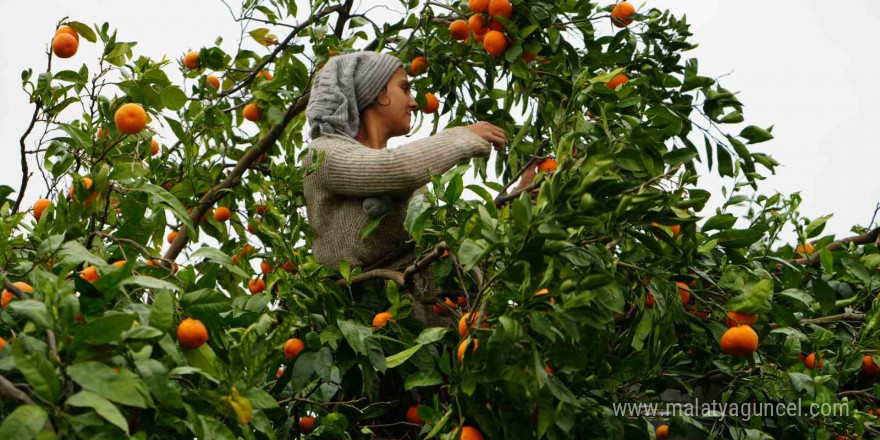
598,236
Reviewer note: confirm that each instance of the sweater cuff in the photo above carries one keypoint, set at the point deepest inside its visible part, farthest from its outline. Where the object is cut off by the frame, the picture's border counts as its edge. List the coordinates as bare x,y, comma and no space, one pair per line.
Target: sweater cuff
471,143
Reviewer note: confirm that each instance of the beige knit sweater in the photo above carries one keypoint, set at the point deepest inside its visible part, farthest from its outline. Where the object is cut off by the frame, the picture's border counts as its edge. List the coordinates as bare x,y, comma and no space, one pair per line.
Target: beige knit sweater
351,172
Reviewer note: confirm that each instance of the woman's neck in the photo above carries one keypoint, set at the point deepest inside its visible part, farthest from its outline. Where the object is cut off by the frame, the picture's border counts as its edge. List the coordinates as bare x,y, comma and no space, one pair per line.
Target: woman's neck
374,138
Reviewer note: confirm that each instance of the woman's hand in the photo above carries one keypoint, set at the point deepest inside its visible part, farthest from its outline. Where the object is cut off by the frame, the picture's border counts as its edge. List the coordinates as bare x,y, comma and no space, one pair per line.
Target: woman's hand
491,133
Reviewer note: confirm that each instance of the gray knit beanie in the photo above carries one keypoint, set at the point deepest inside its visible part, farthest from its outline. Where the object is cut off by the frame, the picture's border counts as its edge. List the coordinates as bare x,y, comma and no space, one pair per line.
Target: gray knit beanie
344,87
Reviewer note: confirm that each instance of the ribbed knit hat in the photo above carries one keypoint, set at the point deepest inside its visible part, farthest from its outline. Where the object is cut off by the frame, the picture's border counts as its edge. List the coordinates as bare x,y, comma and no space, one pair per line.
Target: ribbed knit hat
344,87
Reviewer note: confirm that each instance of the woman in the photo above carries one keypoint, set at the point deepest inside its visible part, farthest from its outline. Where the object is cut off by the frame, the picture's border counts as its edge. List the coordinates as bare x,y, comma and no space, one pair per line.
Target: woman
357,103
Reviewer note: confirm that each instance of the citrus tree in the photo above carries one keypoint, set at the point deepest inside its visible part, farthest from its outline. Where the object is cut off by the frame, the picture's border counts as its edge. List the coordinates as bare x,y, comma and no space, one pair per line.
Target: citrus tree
603,282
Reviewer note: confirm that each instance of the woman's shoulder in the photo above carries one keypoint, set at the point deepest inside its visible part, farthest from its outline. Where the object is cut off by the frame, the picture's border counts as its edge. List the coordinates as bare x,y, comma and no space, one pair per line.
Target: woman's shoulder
330,139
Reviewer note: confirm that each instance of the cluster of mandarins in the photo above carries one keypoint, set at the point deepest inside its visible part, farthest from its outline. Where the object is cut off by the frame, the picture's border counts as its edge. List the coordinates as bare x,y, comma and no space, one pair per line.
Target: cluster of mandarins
491,33
65,43
251,111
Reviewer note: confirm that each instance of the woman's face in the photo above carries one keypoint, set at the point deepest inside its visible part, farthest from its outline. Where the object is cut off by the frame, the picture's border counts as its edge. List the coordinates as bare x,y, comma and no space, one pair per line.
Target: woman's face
395,105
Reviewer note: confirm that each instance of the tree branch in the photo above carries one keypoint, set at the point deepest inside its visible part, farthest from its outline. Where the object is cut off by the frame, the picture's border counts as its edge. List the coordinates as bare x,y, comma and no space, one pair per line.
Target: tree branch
855,317
24,165
869,237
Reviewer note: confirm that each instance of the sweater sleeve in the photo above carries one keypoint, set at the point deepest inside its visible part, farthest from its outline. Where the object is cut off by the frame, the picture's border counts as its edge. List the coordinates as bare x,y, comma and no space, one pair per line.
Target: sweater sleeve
353,169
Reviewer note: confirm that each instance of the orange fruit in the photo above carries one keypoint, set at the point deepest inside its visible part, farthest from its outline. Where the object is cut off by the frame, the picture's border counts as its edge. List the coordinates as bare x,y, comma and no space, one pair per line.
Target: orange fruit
440,310
67,30
548,369
463,346
87,182
279,373
250,227
739,341
500,7
90,274
213,82
432,103
8,296
418,66
41,206
459,30
805,249
619,79
869,367
289,266
469,320
257,285
154,147
529,57
261,209
191,333
171,236
548,165
650,300
222,213
470,433
191,60
445,254
811,360
412,415
306,424
235,259
478,6
2,343
462,301
736,319
477,25
495,43
661,432
265,267
130,118
119,263
620,14
265,74
251,112
675,230
381,319
64,45
683,292
495,25
292,347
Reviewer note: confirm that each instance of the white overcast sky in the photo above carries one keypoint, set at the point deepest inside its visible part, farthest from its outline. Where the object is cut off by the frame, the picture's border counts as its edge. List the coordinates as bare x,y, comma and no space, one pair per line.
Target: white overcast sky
799,65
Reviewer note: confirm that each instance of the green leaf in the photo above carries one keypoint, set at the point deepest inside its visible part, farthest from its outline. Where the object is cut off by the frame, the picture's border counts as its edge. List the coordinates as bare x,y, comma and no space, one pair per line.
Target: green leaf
142,333
825,294
816,226
454,189
219,257
203,358
738,238
33,310
374,223
755,298
106,409
122,387
756,134
83,30
719,222
38,371
106,329
162,311
260,399
423,378
148,282
399,358
204,302
725,162
679,156
431,334
173,98
798,297
24,423
472,252
74,253
162,197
